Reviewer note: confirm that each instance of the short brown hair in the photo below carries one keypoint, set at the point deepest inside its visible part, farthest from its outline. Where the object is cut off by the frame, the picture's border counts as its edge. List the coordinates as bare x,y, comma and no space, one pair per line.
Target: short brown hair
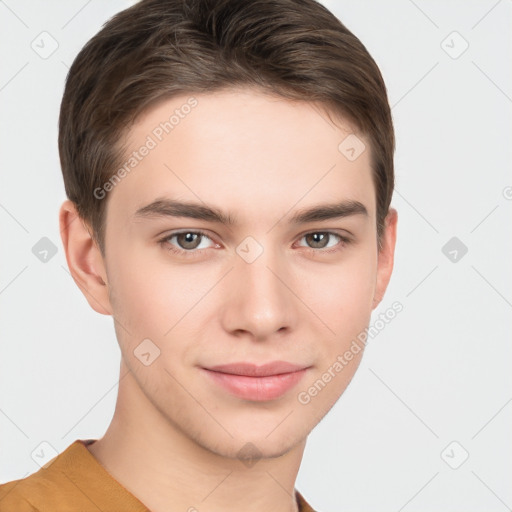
157,49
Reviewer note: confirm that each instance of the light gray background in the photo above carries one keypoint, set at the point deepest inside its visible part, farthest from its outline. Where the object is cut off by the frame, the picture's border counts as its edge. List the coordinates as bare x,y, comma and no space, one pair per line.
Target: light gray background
438,373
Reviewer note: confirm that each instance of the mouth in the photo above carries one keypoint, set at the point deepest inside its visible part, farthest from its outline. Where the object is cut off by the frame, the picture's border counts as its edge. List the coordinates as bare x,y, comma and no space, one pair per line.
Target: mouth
257,383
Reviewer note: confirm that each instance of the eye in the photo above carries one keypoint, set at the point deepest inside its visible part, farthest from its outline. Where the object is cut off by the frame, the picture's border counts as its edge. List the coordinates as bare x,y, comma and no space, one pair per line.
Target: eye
325,241
188,242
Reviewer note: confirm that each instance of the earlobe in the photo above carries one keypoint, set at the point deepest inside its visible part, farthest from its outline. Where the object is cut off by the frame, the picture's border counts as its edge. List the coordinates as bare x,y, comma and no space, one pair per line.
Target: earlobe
84,258
386,256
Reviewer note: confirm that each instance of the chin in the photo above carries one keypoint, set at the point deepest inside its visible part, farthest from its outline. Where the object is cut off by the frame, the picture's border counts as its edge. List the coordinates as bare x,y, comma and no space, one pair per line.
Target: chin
249,452
249,445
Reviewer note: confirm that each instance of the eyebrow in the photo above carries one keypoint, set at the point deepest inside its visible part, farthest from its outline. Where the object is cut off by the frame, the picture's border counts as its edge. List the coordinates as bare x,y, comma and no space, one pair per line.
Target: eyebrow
173,208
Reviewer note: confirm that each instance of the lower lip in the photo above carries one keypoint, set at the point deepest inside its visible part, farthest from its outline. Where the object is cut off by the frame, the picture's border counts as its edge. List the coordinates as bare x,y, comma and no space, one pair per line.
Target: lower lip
257,389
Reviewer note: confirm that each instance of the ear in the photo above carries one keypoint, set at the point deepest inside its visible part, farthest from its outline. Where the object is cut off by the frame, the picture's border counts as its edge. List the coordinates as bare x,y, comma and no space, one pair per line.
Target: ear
386,256
84,258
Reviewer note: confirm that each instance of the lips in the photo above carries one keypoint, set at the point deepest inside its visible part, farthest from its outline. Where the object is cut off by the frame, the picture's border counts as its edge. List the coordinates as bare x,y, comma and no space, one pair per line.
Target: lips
256,383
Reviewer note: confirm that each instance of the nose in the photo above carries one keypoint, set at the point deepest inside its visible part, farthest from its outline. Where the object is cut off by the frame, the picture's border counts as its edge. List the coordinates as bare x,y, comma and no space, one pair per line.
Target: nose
259,300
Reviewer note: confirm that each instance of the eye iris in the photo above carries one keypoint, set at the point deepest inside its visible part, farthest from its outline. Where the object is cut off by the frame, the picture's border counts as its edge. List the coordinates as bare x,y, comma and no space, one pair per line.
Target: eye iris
318,238
190,240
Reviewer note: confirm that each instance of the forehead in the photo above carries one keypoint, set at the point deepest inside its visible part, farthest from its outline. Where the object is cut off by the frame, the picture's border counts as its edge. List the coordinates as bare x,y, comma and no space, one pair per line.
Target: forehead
243,151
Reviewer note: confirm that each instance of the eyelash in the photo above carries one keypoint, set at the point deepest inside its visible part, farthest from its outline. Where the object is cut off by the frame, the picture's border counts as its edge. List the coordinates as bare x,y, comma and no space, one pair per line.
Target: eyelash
344,241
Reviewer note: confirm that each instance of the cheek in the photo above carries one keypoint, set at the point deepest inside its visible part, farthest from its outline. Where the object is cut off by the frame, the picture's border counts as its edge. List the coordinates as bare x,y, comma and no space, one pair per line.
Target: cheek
341,294
152,298
141,295
156,299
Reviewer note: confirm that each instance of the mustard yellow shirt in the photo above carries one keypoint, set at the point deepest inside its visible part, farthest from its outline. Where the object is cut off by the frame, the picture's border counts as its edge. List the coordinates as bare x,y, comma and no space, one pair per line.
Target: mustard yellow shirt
75,481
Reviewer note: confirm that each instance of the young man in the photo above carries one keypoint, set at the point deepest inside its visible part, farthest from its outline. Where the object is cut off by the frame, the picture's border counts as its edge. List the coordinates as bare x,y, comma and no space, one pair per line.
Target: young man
229,169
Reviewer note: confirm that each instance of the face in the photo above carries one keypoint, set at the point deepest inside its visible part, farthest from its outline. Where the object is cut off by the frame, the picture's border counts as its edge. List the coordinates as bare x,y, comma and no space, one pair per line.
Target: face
274,286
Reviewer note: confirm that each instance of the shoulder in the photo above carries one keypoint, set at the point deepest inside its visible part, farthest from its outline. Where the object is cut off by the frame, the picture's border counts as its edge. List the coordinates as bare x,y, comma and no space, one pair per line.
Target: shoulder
53,488
12,497
43,491
70,482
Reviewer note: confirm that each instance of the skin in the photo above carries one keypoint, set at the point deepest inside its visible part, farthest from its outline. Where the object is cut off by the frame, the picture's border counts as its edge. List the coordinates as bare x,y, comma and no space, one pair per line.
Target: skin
175,435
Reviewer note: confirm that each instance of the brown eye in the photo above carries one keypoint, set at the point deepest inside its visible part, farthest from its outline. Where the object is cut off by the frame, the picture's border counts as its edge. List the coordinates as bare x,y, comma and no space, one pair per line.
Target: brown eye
324,242
188,240
318,240
187,243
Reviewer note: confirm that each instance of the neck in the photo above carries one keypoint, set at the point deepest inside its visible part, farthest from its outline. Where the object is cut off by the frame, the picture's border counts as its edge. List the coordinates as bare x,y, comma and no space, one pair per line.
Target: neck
166,469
